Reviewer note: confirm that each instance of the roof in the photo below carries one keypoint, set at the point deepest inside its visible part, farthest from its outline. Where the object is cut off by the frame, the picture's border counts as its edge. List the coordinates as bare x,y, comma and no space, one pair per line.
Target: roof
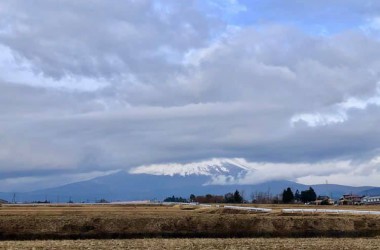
323,197
351,195
372,197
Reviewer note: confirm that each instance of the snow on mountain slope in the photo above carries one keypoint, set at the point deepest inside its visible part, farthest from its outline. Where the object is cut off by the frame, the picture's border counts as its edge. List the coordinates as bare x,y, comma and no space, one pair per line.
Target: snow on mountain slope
218,166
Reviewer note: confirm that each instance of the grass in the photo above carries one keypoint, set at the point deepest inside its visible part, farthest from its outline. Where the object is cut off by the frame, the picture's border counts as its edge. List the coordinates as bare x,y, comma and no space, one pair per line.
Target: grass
231,243
142,221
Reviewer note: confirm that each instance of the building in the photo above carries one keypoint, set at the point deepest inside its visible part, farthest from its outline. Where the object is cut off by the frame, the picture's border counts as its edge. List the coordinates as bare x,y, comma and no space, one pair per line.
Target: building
350,199
371,200
323,200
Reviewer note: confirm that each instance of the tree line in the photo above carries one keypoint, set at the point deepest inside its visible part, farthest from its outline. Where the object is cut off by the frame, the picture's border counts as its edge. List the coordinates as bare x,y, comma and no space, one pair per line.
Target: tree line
287,196
235,197
305,196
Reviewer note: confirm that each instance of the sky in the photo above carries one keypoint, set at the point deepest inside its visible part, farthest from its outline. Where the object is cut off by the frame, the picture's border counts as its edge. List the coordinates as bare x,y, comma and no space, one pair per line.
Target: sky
88,88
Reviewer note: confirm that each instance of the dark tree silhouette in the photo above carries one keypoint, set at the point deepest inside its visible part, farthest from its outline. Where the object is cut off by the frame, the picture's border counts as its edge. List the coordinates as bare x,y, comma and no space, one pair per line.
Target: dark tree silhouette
308,195
229,198
237,197
287,195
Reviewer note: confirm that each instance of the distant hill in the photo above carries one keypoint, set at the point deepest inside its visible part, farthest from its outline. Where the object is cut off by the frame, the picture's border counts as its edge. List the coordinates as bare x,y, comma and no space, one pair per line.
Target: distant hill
3,201
125,186
337,191
371,192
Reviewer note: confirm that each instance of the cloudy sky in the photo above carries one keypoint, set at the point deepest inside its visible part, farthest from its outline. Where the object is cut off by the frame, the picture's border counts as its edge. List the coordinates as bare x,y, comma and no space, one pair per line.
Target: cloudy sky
91,87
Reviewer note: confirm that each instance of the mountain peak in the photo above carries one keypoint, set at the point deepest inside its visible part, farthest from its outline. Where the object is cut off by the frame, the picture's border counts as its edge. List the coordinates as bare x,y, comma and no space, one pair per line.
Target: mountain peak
213,167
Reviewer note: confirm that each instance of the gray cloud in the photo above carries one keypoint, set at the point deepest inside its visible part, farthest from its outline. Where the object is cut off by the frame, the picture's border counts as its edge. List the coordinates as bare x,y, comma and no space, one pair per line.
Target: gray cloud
96,88
103,39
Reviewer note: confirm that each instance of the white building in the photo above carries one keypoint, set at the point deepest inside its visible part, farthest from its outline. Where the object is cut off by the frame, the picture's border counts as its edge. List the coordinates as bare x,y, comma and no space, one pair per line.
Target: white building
370,200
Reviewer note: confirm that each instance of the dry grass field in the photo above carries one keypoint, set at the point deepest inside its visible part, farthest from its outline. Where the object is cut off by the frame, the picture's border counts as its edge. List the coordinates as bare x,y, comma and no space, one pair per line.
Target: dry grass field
147,221
278,207
232,243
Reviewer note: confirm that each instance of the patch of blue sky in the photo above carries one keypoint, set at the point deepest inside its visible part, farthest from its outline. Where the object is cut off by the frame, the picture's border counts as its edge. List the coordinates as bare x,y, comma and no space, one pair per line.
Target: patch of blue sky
225,10
312,17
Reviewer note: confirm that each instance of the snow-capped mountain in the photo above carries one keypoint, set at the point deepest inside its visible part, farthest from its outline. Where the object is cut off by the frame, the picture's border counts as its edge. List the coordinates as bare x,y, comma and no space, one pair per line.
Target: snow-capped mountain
216,176
234,167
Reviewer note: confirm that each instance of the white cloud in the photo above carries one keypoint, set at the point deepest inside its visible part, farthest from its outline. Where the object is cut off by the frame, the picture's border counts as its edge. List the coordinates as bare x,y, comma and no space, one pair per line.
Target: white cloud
371,26
344,172
365,173
20,71
338,113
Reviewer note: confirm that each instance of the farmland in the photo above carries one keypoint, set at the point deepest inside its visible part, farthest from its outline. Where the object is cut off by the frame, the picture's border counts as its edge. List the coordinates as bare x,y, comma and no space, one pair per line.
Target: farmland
152,221
231,243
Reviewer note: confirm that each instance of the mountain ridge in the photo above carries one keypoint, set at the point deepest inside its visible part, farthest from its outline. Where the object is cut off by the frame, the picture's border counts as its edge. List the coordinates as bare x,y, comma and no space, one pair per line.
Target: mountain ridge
125,186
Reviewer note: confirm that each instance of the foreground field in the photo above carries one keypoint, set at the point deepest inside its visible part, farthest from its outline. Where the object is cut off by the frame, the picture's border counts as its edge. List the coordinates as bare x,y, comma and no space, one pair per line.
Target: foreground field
144,221
259,243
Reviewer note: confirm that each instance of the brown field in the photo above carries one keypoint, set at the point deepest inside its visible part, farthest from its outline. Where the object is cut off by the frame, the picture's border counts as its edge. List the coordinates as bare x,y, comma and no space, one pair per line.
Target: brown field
148,221
232,243
278,207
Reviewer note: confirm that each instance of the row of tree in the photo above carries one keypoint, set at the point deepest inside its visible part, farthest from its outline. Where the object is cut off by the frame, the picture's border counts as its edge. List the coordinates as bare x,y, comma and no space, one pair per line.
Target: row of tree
305,196
175,199
262,198
235,197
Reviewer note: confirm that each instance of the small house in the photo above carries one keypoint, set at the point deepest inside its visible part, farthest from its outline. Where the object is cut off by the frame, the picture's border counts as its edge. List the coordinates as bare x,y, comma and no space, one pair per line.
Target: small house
350,199
324,200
